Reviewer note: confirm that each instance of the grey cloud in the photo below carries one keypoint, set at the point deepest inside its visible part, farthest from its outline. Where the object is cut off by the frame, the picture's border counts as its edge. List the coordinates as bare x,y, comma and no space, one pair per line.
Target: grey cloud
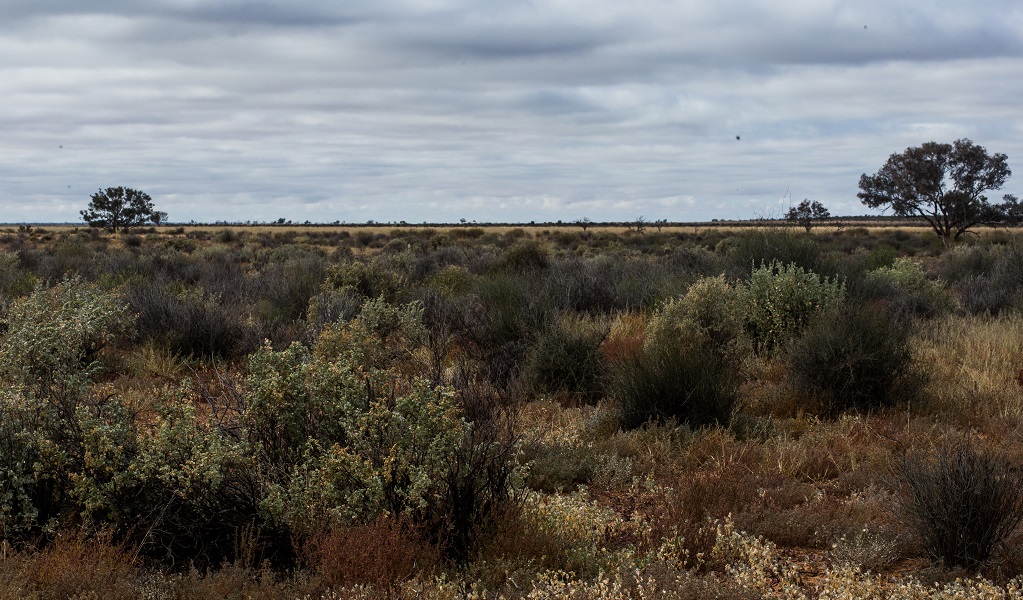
442,109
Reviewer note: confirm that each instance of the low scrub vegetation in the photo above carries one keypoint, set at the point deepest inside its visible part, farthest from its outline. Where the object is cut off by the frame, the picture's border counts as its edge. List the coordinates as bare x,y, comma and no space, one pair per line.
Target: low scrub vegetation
513,413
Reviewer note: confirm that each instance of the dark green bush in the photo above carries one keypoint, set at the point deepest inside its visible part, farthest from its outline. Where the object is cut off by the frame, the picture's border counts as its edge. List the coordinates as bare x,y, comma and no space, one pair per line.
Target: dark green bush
191,323
280,293
14,281
749,249
678,377
856,357
566,359
500,322
218,270
527,256
961,500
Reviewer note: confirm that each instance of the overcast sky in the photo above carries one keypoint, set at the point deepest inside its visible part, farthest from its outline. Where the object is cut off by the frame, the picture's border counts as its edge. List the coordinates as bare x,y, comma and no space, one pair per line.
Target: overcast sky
491,110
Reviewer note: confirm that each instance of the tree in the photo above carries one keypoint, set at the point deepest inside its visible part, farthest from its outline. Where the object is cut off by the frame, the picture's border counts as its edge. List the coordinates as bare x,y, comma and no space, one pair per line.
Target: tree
943,183
808,213
1009,213
121,208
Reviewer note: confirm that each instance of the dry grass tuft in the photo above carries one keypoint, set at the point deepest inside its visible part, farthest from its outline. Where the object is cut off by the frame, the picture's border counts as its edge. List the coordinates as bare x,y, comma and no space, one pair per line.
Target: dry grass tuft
383,554
976,368
73,566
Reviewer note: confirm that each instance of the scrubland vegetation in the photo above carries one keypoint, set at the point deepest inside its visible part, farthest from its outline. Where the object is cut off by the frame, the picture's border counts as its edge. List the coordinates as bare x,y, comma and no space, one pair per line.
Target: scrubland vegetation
510,413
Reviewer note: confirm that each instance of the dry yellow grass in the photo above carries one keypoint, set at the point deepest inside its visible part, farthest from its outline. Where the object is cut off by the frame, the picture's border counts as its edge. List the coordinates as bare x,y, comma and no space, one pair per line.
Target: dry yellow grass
975,365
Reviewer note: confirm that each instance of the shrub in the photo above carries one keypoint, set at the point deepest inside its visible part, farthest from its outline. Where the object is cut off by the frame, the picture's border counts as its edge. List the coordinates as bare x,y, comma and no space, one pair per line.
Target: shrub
684,377
908,289
14,282
332,305
382,553
966,261
527,256
370,279
217,270
962,502
994,285
713,305
782,300
566,359
381,336
501,321
690,258
344,435
48,358
759,246
855,357
54,336
178,490
76,566
451,281
190,322
282,290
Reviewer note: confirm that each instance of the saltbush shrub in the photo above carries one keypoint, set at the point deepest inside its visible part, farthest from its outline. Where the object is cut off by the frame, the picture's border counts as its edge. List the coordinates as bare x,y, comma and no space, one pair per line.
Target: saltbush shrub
347,431
906,287
781,300
855,357
962,500
178,490
48,358
371,279
715,306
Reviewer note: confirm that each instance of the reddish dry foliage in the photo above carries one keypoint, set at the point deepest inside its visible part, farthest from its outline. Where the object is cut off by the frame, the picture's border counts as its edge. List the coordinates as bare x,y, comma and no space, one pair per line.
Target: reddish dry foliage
382,553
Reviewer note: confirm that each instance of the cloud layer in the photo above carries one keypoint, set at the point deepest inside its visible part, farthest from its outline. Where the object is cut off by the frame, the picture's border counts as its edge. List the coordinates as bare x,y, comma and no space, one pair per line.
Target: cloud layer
493,110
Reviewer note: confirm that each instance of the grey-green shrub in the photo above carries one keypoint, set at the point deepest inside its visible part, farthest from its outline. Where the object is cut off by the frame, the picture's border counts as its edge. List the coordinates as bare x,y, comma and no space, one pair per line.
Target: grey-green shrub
781,300
48,357
906,286
348,430
53,338
714,306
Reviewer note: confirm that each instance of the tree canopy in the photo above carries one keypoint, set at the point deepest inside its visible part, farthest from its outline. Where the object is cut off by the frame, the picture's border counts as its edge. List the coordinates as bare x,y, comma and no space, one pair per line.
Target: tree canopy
943,183
121,208
807,213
